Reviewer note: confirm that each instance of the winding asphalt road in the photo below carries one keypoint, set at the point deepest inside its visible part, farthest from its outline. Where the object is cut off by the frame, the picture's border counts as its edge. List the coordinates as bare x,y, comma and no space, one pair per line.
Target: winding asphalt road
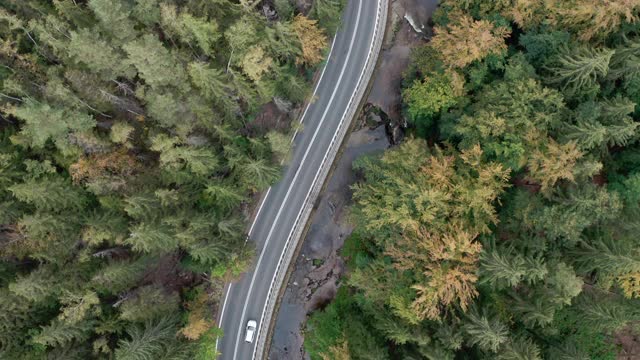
245,300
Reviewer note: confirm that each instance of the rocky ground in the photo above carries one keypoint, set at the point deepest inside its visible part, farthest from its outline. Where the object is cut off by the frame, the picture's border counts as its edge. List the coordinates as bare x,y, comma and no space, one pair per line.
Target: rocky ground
317,269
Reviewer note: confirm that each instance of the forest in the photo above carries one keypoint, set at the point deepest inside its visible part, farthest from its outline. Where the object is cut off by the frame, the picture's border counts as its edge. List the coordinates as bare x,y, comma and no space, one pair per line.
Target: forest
130,160
505,226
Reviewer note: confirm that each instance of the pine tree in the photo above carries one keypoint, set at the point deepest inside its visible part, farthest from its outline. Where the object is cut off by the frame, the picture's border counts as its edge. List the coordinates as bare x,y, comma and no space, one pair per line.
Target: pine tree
503,267
327,12
581,68
605,313
156,338
607,255
148,303
258,174
210,253
534,310
88,48
51,193
114,18
175,156
487,333
35,287
152,237
59,333
43,122
151,59
118,276
520,348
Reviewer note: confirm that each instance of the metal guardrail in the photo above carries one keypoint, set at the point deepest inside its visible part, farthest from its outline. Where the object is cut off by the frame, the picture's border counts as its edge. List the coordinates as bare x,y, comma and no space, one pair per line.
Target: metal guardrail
316,186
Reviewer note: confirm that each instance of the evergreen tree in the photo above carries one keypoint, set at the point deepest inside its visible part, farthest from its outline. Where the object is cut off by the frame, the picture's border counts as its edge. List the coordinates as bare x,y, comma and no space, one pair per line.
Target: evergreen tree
156,338
60,333
34,287
606,314
151,59
43,122
86,47
581,68
504,267
118,276
487,333
200,160
51,193
520,348
147,303
152,238
608,255
327,12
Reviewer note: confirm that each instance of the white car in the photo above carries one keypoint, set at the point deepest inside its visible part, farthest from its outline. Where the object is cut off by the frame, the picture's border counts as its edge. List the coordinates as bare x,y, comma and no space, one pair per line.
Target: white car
251,331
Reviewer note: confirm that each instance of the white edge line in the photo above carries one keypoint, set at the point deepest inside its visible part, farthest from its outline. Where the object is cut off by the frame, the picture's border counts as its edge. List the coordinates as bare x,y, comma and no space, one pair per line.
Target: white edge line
255,219
313,96
315,90
224,304
316,176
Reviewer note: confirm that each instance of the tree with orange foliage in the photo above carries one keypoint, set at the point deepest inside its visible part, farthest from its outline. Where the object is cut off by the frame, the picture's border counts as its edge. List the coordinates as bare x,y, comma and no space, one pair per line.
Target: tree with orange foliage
105,171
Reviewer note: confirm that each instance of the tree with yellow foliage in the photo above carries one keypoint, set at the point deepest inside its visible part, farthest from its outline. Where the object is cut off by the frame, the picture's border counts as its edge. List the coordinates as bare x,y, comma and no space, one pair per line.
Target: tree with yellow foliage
256,63
425,211
313,40
588,19
338,352
448,263
553,163
465,40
